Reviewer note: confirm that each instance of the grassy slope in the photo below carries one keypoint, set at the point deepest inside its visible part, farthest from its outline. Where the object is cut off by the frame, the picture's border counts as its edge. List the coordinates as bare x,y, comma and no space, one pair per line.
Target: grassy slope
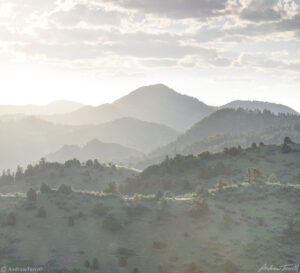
208,242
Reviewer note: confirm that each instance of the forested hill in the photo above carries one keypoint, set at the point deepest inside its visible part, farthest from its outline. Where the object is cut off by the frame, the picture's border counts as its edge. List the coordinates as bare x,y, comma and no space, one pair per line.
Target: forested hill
228,122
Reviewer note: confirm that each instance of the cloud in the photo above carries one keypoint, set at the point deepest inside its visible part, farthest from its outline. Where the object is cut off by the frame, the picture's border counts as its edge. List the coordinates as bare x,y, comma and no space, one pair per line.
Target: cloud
199,9
156,33
261,61
90,14
261,10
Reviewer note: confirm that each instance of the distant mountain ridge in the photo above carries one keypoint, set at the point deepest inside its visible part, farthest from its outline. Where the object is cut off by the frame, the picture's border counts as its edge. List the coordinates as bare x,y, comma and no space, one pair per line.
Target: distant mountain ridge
94,149
156,103
159,104
56,107
260,105
28,139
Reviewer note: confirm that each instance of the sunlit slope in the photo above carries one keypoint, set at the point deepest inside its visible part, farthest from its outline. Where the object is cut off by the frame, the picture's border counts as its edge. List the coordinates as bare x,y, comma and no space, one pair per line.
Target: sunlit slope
237,229
184,173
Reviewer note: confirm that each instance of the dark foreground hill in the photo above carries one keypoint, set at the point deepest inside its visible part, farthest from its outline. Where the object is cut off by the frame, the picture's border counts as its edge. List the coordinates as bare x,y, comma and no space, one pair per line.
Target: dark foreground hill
182,174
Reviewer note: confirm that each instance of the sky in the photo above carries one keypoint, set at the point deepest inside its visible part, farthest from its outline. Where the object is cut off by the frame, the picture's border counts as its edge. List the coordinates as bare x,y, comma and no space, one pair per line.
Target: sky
95,51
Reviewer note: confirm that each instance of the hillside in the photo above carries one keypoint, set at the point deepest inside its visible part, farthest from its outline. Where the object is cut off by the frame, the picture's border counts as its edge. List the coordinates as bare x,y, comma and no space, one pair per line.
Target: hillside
56,107
271,135
182,174
95,149
261,106
86,175
28,139
230,124
238,228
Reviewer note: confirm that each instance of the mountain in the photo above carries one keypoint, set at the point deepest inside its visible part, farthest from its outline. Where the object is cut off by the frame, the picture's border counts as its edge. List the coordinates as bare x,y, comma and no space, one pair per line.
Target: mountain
260,105
88,115
228,127
26,140
57,107
155,103
95,149
129,132
160,104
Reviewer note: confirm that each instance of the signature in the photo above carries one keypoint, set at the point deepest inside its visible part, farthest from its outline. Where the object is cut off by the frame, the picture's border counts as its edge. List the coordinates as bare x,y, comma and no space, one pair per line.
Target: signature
285,267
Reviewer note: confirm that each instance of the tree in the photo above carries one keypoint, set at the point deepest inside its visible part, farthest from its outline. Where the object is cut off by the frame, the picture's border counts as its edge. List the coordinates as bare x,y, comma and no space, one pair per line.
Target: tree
31,195
287,140
19,173
45,188
253,145
65,189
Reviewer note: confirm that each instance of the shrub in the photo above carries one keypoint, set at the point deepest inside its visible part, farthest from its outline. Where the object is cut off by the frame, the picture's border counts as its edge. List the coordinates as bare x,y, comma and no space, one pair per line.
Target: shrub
158,195
31,195
65,189
230,267
111,187
87,264
42,213
11,219
45,188
254,175
136,270
71,221
122,261
159,245
111,223
192,268
199,208
99,209
228,221
221,183
272,178
198,190
95,264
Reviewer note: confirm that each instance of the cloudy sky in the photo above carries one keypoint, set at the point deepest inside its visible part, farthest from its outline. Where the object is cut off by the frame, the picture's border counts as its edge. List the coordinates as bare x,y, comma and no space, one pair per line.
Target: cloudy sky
95,51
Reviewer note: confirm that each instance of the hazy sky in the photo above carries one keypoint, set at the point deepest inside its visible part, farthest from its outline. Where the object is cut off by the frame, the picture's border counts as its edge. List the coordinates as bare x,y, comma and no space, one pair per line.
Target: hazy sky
95,51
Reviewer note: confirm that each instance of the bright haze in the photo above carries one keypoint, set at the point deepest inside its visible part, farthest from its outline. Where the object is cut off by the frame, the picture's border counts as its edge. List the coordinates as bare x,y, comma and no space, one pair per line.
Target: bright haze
95,51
